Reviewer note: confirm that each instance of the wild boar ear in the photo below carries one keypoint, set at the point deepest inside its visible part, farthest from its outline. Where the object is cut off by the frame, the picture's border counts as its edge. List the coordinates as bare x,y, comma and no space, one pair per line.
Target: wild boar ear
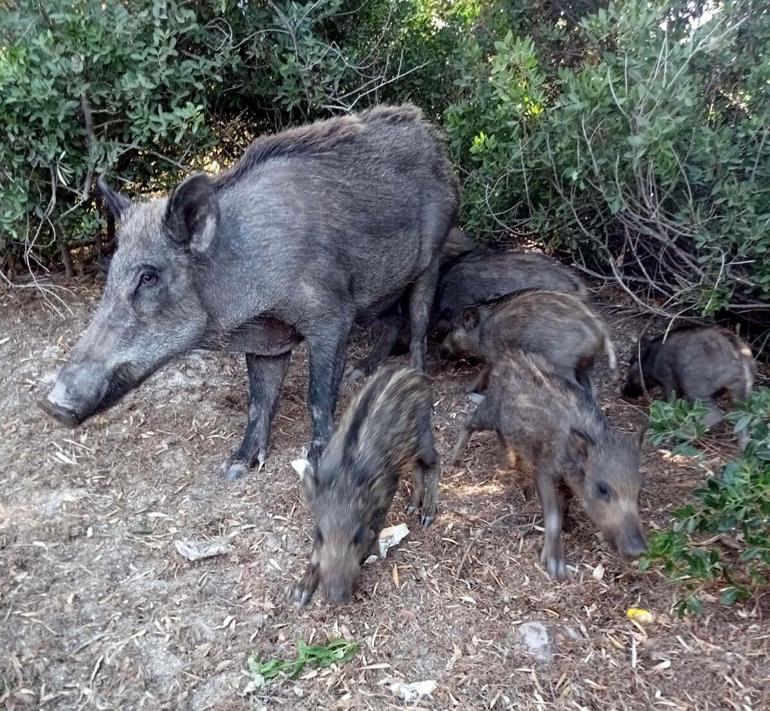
116,202
192,215
578,444
470,318
307,478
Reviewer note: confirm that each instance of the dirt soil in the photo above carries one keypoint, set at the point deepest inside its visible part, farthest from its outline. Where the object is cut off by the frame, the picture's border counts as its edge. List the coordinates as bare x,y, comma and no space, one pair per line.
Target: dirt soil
99,610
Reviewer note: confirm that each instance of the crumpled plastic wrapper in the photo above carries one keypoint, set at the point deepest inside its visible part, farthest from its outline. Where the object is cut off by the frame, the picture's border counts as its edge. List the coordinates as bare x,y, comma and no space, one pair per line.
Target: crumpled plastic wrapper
412,693
196,550
389,537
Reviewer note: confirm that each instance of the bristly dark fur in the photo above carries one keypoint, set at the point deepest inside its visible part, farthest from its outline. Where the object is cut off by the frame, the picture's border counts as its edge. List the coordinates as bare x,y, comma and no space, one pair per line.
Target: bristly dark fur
355,418
386,393
312,139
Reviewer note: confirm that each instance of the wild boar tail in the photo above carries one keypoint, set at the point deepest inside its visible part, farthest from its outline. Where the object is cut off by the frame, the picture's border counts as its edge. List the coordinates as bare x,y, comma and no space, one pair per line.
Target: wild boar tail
746,357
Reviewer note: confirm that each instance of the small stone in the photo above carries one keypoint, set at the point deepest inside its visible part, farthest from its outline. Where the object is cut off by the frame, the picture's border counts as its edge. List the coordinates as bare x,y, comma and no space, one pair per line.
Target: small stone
572,633
535,639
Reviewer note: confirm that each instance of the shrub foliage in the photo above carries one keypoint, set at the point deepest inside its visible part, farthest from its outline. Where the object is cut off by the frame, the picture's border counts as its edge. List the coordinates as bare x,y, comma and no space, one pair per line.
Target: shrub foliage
633,134
721,541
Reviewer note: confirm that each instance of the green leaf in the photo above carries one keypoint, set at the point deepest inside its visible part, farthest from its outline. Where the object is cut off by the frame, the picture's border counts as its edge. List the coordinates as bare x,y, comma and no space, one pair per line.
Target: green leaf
729,596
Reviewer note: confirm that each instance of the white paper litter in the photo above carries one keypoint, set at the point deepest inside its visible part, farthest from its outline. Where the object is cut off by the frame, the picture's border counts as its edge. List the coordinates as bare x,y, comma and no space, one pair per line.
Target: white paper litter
389,537
411,693
195,550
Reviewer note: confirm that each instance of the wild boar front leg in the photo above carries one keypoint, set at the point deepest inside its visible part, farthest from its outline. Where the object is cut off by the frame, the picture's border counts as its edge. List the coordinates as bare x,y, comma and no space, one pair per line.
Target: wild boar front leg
713,414
482,419
552,556
266,376
479,384
302,591
327,359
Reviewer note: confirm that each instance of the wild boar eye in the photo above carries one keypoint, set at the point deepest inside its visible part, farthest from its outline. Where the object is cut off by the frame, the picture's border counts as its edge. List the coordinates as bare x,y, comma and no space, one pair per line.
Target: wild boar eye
319,539
148,278
603,491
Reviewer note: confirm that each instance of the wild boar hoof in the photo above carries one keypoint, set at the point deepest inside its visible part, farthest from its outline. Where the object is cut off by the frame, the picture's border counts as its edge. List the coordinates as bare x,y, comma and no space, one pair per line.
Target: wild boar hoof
556,567
236,470
427,518
300,595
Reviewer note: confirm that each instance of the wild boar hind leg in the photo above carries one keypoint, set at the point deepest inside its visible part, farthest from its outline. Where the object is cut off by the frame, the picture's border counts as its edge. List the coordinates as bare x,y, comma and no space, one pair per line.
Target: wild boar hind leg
266,375
420,303
392,323
426,477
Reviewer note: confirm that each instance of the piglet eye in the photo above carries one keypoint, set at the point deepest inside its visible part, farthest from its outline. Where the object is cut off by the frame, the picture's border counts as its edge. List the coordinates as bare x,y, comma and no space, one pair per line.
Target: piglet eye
148,278
603,491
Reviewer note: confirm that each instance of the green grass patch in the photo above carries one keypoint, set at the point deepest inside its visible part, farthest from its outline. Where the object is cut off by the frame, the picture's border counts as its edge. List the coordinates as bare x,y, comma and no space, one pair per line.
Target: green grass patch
335,651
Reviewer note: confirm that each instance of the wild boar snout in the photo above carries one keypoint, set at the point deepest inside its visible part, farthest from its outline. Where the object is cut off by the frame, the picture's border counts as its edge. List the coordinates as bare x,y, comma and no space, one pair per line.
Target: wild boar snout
78,389
629,539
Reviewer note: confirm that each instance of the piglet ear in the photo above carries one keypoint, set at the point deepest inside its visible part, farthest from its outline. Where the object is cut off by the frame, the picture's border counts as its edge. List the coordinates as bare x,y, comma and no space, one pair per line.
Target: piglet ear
192,215
116,202
578,445
307,479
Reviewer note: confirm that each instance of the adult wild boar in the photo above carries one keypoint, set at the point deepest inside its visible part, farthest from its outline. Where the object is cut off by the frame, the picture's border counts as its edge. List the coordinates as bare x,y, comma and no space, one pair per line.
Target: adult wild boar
486,274
312,229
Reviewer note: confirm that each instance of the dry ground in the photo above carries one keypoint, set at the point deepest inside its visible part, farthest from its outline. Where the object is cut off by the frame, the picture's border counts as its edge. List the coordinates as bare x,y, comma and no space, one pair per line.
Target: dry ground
98,610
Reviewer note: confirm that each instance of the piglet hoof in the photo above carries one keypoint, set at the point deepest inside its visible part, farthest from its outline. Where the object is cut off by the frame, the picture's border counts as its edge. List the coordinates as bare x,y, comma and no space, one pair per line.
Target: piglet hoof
556,567
301,594
236,470
314,455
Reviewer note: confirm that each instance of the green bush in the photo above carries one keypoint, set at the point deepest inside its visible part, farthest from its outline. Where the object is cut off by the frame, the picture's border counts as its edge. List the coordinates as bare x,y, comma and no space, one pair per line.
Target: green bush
646,156
141,77
632,135
722,539
147,89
